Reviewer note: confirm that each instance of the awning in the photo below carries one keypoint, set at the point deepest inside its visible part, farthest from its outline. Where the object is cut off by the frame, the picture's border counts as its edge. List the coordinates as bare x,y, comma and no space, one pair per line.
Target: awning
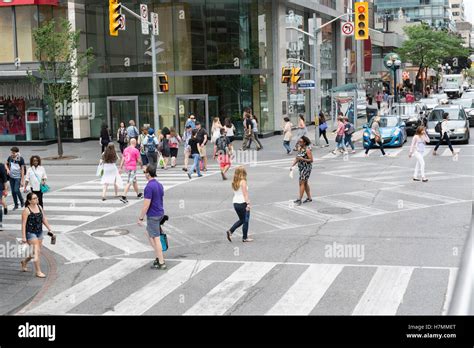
345,88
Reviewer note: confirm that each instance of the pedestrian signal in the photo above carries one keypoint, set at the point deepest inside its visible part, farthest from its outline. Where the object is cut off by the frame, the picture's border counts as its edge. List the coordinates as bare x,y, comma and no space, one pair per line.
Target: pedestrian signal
361,20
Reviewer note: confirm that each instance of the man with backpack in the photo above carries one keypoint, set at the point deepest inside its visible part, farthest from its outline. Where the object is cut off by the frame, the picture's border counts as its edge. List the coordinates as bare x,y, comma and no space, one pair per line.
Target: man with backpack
443,130
151,145
348,131
222,148
16,169
248,130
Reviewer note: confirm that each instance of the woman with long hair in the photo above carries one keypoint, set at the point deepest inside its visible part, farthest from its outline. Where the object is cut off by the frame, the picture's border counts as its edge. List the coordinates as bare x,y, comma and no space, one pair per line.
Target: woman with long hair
417,148
32,220
164,139
215,133
340,135
241,204
36,176
111,174
230,133
105,138
174,142
302,130
304,159
323,126
122,136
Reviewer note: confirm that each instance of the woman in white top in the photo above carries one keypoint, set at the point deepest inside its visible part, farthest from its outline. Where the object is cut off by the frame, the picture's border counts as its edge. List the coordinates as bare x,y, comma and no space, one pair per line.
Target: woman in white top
215,133
287,135
241,204
35,177
417,149
230,133
111,174
302,130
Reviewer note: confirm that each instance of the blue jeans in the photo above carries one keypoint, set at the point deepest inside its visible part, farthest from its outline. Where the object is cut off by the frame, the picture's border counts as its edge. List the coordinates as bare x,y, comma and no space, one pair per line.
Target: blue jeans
16,193
287,146
196,158
348,141
340,145
244,217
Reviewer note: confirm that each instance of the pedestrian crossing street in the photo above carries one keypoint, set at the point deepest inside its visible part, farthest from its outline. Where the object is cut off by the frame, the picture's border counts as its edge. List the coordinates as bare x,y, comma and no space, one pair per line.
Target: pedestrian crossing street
80,204
217,287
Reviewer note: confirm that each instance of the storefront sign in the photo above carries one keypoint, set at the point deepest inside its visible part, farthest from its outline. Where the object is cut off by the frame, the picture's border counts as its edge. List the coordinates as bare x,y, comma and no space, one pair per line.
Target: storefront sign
29,2
368,55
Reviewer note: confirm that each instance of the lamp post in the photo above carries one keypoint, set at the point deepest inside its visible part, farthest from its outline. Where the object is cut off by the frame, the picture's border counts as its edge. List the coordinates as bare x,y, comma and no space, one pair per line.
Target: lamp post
393,62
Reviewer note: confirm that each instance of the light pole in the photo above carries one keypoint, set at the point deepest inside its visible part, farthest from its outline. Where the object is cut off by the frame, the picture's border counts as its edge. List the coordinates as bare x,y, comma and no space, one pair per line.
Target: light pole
393,62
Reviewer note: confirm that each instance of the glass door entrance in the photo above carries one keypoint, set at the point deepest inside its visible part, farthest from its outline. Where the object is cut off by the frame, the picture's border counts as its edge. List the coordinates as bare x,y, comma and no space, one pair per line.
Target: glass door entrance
198,105
121,109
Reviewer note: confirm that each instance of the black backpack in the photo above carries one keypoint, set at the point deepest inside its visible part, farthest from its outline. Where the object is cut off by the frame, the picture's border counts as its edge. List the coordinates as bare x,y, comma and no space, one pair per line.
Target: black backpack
438,127
221,144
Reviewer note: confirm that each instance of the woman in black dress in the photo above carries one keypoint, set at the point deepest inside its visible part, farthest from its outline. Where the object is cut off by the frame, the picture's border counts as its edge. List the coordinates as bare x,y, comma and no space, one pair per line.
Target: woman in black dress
105,138
304,159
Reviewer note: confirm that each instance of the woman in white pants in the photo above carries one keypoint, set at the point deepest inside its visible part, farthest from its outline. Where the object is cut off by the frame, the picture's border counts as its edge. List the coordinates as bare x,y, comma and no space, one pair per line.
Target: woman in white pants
417,149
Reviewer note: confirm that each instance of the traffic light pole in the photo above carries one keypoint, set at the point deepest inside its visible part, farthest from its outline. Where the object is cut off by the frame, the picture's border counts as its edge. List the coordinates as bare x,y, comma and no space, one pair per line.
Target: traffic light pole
156,117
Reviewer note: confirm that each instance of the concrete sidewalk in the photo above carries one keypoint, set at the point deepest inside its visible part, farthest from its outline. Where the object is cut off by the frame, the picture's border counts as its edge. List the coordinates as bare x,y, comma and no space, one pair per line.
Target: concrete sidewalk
18,288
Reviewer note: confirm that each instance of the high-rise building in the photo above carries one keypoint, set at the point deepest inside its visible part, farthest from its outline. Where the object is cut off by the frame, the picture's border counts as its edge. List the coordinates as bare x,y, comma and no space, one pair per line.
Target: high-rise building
457,9
436,13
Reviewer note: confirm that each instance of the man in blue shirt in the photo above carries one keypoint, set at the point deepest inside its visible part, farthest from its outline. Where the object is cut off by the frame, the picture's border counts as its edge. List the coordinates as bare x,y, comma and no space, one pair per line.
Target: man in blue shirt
154,210
191,122
16,170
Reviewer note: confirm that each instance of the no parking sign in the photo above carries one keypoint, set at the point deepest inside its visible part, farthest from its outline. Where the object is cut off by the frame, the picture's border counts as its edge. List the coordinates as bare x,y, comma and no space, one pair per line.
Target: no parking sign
347,28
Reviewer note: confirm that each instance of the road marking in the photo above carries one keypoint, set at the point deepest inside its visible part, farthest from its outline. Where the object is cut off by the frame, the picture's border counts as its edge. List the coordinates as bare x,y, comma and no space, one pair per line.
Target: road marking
294,209
174,231
426,195
406,204
55,217
307,291
453,274
272,220
385,292
126,242
80,209
353,206
148,296
448,153
206,221
56,228
70,250
394,152
48,200
75,295
221,298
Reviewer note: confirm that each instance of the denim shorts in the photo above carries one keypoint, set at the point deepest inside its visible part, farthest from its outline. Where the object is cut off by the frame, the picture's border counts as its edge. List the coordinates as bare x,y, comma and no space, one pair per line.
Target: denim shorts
34,235
153,226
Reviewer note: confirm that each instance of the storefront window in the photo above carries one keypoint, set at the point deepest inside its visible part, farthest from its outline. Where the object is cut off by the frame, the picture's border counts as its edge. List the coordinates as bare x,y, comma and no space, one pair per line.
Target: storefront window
6,28
26,23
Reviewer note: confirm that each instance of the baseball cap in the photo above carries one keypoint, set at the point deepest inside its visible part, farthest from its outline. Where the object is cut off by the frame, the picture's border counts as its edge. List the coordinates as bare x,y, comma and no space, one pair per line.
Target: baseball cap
151,131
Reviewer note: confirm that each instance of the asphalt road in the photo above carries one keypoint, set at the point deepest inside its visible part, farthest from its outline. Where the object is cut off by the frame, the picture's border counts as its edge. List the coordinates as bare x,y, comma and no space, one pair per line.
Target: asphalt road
371,242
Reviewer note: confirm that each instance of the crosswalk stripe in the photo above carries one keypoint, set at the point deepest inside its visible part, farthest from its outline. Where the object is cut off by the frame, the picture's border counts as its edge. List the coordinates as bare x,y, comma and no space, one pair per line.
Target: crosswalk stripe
111,187
174,231
68,217
436,178
221,298
453,273
294,209
127,243
70,208
308,211
148,296
353,206
307,291
385,291
48,200
394,152
75,295
361,154
371,195
375,176
206,220
272,220
70,249
57,228
448,153
425,195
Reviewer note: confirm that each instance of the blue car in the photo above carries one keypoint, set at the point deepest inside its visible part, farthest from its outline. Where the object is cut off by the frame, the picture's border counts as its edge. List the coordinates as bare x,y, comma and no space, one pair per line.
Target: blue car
392,129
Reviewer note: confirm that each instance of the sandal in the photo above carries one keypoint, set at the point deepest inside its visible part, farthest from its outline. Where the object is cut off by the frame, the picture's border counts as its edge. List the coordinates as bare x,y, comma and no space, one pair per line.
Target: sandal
308,200
297,202
24,267
41,275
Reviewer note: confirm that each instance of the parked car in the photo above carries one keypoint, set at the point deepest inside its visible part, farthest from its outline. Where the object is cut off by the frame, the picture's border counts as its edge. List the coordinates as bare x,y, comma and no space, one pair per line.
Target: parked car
458,124
439,96
392,130
468,104
411,114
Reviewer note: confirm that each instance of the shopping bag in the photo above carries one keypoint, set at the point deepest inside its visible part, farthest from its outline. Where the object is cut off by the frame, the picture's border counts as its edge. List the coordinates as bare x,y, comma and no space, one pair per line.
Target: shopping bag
100,169
164,241
161,161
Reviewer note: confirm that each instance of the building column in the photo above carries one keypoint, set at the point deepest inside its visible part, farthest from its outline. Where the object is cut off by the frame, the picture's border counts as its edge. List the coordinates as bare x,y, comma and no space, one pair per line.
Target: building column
80,119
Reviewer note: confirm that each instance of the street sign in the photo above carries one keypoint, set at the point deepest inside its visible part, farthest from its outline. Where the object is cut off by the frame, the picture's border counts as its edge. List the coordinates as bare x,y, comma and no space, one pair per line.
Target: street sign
347,28
154,23
144,16
122,22
307,84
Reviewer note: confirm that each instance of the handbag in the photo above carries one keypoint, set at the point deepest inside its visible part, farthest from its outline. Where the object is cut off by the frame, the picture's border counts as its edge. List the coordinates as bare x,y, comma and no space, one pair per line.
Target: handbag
164,241
100,169
323,126
338,138
43,187
161,161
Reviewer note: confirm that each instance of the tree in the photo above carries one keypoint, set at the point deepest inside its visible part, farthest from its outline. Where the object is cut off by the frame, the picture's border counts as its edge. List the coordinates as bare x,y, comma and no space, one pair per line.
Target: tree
61,67
426,48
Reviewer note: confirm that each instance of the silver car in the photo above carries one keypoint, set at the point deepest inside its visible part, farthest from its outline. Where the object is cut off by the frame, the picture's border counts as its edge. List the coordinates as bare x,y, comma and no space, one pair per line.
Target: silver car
458,125
468,104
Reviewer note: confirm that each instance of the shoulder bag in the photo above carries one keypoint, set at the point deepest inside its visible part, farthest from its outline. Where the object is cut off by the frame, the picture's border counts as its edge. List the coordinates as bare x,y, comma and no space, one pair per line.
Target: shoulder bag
43,187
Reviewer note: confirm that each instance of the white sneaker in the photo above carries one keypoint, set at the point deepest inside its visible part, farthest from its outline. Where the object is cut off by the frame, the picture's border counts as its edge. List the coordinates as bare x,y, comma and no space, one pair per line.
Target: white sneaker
353,151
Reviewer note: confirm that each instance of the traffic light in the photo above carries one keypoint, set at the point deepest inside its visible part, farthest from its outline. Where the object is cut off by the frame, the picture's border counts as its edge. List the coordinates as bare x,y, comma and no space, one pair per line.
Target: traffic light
115,15
295,75
285,75
361,20
164,85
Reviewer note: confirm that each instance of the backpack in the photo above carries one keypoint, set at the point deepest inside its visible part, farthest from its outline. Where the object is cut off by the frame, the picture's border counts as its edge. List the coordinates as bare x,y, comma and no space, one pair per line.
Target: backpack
221,144
349,129
438,127
151,146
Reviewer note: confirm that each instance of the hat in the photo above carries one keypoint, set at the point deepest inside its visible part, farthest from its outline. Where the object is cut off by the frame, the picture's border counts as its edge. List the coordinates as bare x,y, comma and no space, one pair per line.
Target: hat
151,131
189,126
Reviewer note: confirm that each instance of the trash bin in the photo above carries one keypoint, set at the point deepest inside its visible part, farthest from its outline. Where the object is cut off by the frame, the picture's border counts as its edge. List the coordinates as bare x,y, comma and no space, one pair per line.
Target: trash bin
371,112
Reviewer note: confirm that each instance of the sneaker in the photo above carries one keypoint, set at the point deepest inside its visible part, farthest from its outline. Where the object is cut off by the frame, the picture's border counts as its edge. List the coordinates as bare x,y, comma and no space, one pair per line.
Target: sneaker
425,180
223,176
327,145
200,176
123,199
247,240
162,266
184,169
140,195
22,205
156,264
415,179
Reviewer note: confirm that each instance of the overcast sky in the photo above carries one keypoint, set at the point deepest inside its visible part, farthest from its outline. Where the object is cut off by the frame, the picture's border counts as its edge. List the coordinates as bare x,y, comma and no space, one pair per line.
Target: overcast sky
469,10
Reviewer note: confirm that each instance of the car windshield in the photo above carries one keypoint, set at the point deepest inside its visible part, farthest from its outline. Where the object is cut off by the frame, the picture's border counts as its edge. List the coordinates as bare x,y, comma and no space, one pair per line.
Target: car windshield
454,114
387,121
467,103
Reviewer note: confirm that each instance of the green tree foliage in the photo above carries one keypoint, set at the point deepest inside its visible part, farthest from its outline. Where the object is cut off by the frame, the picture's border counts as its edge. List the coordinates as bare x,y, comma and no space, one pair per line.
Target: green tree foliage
61,67
426,47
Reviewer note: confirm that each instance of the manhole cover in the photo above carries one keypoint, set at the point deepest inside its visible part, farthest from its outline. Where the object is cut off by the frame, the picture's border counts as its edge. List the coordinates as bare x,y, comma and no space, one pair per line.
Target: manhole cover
111,233
334,211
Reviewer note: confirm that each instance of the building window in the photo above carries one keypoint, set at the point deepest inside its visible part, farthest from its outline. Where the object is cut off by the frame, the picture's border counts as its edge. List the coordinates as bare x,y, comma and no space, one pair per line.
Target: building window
26,23
455,5
6,28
